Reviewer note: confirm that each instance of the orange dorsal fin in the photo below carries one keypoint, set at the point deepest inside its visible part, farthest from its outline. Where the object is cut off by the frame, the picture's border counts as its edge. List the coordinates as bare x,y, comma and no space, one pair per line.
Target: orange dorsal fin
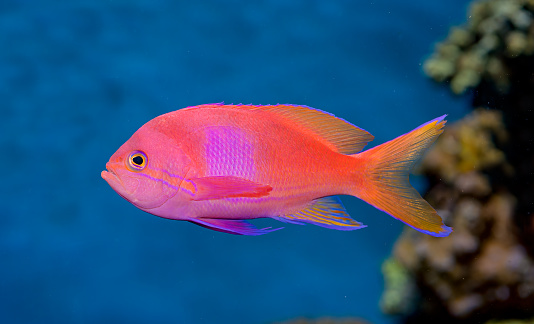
338,134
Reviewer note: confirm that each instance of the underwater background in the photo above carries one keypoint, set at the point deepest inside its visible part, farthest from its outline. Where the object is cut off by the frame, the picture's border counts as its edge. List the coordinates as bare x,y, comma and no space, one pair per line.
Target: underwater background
77,78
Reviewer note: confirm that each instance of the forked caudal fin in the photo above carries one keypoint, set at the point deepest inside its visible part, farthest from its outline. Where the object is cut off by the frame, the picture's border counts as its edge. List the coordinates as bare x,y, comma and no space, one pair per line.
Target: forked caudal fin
386,179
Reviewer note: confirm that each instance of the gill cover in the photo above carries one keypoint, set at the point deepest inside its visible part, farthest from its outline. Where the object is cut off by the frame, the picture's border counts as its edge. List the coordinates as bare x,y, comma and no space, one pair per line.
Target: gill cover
148,169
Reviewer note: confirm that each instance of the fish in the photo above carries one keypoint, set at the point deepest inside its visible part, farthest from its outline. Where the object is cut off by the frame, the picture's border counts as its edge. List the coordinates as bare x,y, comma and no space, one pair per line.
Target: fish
220,166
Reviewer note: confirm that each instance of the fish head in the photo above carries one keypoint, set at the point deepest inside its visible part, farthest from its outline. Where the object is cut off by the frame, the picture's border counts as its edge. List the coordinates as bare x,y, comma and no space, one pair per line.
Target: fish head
147,170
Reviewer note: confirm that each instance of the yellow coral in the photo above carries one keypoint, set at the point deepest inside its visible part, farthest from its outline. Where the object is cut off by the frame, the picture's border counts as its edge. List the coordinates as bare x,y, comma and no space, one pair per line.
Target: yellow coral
398,288
468,146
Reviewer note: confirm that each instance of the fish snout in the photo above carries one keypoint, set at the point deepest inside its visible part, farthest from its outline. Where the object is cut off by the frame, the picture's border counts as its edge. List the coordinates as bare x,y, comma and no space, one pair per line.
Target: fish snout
123,185
110,174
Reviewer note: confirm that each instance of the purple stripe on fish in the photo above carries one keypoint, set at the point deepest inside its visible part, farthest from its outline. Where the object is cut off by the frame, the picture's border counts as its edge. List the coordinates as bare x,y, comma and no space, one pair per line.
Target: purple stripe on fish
168,173
159,180
229,153
190,192
169,184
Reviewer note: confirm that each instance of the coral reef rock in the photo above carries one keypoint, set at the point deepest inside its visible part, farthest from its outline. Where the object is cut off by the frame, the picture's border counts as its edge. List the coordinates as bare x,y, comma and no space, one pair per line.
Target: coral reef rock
496,31
494,55
481,180
482,270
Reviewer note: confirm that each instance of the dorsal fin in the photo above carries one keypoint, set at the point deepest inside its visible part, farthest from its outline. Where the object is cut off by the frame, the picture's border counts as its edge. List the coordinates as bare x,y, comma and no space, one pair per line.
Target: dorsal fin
338,134
345,137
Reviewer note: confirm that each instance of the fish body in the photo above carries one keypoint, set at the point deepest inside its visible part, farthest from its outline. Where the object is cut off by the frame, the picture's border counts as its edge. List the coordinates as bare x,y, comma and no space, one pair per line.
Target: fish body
220,165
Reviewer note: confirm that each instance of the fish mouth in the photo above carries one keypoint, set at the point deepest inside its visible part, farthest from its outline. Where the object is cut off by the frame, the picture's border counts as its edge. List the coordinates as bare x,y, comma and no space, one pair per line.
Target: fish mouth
110,176
124,189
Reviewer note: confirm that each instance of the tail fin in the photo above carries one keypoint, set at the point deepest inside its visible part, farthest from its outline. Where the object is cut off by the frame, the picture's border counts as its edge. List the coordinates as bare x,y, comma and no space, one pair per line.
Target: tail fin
386,179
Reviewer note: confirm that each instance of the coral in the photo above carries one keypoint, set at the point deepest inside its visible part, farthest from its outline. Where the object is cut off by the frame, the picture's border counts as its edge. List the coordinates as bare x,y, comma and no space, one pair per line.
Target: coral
496,31
468,146
494,54
482,269
481,176
399,294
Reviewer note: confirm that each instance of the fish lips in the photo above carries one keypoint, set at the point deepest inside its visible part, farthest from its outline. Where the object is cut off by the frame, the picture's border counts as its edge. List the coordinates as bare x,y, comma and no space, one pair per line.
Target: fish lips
116,183
127,187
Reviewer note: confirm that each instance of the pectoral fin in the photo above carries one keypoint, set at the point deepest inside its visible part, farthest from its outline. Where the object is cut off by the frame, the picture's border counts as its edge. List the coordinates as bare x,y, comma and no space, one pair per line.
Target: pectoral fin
232,226
218,187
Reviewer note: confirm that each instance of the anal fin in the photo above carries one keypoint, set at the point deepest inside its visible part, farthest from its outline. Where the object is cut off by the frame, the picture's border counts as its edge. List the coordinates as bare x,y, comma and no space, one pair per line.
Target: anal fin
326,212
232,226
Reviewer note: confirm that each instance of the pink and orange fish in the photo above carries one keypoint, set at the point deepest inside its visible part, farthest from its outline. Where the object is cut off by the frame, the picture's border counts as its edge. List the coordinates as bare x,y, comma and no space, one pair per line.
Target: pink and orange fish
220,165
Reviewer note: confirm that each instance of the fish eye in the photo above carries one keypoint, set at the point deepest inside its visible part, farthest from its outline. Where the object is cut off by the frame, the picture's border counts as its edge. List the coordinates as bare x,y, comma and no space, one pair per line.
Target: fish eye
137,161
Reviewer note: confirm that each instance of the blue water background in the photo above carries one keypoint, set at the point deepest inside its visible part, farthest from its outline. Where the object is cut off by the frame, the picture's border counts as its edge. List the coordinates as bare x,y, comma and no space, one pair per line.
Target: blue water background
77,78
